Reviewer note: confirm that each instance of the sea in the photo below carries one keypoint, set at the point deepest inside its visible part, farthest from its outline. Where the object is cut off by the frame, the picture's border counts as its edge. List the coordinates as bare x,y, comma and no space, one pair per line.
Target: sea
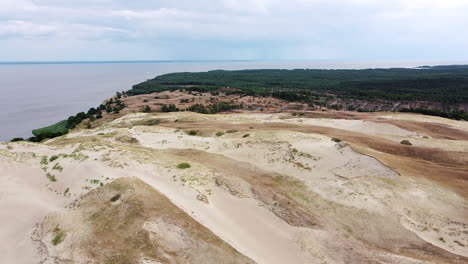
38,94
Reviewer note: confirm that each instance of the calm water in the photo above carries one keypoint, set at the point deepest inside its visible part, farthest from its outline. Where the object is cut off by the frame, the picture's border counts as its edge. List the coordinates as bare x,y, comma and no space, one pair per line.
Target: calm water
38,95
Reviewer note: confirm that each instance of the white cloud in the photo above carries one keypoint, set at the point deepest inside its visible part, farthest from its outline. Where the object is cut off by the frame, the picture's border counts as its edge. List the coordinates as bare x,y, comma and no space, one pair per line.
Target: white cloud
336,28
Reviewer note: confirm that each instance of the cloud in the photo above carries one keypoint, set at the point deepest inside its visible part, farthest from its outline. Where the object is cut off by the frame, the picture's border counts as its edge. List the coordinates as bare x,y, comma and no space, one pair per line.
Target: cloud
357,29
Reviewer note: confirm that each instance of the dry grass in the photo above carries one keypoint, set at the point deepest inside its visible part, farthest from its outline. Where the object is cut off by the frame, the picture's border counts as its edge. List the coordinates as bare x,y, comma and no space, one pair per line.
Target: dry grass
118,228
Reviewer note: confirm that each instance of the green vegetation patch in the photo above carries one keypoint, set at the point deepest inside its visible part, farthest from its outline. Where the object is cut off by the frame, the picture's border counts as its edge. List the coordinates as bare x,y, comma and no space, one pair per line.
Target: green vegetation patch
44,160
232,131
218,134
192,132
51,177
54,157
59,236
337,140
58,167
52,131
183,165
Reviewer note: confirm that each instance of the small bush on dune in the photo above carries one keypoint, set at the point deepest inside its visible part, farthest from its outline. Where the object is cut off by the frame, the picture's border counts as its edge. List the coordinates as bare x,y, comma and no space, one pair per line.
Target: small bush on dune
58,167
115,198
219,134
232,131
127,139
192,132
148,122
51,177
337,140
406,142
44,160
183,165
54,157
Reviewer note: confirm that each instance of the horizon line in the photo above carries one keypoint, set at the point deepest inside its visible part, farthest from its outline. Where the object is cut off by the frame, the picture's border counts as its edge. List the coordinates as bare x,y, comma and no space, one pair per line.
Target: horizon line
463,62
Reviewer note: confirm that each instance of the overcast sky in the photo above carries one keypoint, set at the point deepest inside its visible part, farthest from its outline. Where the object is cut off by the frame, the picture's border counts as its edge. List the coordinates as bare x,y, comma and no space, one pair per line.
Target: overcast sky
58,30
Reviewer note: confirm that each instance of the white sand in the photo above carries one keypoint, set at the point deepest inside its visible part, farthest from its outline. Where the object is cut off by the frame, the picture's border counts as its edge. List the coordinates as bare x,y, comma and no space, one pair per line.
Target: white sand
332,171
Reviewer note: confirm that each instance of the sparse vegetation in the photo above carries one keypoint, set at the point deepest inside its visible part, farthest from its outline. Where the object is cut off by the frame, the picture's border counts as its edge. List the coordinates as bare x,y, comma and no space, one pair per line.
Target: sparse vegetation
51,177
54,157
57,167
183,165
246,135
169,108
59,236
44,160
406,142
337,140
148,122
127,139
218,134
213,108
232,131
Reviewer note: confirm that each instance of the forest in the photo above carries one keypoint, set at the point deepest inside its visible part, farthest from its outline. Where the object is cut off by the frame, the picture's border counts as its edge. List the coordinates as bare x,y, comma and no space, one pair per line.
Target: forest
442,84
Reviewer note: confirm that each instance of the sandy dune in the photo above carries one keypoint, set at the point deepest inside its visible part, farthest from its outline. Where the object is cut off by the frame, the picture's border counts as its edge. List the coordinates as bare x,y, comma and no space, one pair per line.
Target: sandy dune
264,188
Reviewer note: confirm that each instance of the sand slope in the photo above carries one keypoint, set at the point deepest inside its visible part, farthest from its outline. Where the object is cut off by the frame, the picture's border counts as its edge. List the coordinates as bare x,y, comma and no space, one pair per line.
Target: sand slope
264,188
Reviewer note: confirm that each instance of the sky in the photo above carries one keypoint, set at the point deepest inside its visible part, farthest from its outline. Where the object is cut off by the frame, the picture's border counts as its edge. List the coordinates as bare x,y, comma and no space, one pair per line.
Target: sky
82,30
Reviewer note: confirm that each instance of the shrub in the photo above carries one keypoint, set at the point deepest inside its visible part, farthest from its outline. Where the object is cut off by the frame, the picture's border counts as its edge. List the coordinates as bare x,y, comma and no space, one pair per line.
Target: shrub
59,236
169,108
44,160
183,165
127,139
232,131
58,167
17,139
147,109
115,198
219,134
193,132
246,135
51,177
54,157
337,140
148,122
406,142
